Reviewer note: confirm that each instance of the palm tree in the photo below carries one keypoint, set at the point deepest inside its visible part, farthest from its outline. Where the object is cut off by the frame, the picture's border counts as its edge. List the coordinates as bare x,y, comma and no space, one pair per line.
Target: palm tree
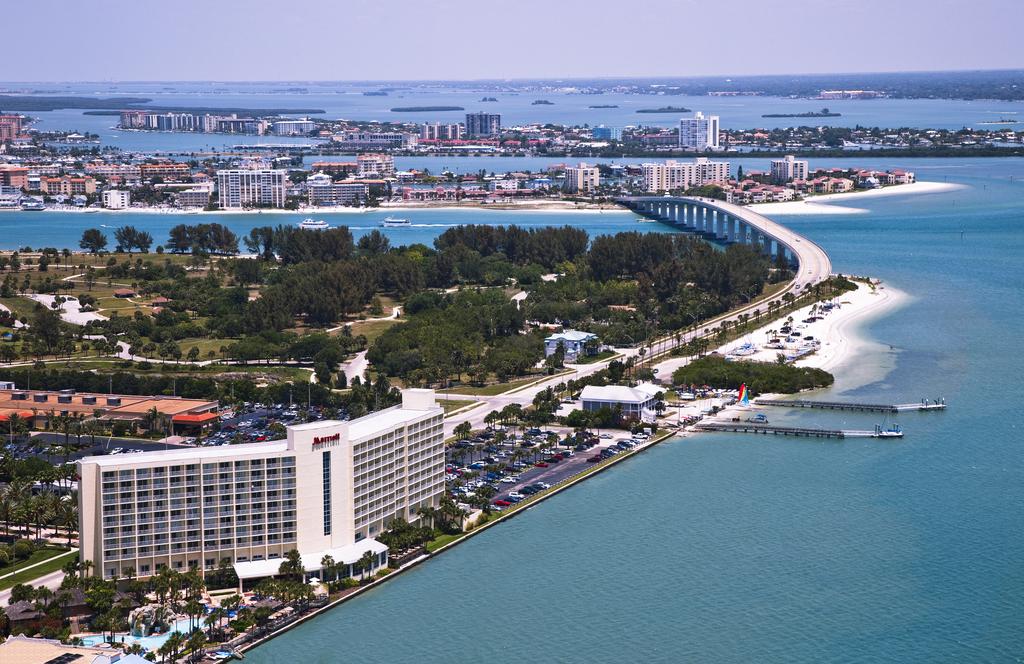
328,566
365,563
291,566
151,418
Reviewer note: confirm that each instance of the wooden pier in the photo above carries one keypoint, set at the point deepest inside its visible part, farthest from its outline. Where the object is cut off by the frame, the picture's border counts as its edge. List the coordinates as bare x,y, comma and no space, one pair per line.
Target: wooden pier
939,404
803,432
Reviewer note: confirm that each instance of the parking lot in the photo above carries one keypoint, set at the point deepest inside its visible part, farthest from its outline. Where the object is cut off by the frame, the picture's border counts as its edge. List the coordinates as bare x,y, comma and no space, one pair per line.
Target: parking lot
521,466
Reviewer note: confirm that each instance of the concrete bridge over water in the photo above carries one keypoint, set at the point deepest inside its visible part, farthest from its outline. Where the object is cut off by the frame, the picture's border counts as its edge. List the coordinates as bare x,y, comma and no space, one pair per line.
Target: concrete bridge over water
732,224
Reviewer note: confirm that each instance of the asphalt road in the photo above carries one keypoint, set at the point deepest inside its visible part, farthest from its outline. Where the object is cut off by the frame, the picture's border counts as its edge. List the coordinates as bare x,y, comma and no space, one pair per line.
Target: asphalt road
814,267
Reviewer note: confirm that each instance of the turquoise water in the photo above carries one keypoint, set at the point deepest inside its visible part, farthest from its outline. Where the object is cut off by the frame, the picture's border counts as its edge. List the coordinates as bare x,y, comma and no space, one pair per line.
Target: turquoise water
63,229
725,548
148,642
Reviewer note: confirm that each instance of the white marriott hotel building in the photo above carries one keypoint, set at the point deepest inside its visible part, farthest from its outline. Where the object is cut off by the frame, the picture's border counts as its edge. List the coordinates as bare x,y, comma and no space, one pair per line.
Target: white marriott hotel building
325,490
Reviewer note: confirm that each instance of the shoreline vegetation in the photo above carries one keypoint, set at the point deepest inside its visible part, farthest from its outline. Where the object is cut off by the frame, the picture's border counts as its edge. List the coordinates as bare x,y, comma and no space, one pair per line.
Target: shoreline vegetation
823,113
665,109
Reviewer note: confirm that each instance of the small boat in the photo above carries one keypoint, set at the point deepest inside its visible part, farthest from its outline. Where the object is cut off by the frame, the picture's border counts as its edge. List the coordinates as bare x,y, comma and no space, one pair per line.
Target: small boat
894,431
392,222
758,418
314,225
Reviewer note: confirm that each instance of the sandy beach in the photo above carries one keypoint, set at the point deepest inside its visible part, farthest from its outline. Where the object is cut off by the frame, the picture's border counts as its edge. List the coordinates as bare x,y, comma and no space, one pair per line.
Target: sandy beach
837,331
541,206
825,203
837,334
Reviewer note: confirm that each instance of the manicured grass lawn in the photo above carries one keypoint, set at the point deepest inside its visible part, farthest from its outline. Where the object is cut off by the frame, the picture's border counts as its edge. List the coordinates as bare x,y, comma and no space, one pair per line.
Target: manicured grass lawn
497,388
436,543
52,565
603,355
371,329
19,305
454,404
36,557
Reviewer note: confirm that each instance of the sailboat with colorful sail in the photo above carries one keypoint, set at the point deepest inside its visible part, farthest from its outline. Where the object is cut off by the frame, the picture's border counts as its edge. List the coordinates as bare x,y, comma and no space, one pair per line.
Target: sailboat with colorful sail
743,397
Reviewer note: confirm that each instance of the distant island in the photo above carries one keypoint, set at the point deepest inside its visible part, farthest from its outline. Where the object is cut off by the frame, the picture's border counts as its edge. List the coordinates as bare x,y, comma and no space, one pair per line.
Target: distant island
543,102
604,106
823,113
424,109
211,110
665,109
377,93
489,99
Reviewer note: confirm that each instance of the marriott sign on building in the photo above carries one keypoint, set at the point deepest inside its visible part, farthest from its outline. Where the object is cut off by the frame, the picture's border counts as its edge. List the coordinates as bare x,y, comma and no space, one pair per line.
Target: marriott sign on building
327,489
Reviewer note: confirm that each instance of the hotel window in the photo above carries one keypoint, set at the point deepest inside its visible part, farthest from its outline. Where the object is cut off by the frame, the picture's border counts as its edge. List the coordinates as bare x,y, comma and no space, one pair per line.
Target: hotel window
327,492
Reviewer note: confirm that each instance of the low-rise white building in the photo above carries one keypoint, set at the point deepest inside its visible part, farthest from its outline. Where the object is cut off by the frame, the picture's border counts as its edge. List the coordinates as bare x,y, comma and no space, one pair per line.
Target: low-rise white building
116,199
322,190
633,402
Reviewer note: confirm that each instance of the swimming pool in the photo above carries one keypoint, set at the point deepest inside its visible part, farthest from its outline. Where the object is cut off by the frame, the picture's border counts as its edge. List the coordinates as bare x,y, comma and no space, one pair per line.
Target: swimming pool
152,642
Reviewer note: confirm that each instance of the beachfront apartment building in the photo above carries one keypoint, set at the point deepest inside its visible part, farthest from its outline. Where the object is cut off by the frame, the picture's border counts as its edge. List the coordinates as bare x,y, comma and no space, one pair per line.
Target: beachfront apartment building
788,168
375,165
241,188
327,489
116,199
672,175
582,178
482,124
322,190
67,185
699,132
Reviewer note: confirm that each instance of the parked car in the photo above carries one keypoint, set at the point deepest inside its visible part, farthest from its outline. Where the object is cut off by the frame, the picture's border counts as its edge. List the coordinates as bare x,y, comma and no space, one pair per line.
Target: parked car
501,503
541,464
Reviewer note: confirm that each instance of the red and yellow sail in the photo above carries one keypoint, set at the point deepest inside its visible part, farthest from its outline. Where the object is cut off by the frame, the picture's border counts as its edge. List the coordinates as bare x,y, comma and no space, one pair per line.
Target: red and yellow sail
744,394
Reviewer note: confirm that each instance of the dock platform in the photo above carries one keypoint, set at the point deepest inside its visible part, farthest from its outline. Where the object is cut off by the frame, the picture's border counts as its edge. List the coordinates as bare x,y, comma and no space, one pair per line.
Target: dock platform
924,405
803,432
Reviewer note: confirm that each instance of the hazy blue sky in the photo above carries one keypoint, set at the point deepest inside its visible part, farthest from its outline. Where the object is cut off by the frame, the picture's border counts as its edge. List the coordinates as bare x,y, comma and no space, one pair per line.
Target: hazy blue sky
65,40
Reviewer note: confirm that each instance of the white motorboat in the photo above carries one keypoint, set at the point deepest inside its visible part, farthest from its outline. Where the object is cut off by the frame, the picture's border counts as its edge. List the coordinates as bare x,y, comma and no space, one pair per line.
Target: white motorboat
393,222
314,225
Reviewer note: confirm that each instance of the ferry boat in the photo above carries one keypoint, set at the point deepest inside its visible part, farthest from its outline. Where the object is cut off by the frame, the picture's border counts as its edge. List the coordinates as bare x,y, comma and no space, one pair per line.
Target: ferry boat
392,222
32,205
314,225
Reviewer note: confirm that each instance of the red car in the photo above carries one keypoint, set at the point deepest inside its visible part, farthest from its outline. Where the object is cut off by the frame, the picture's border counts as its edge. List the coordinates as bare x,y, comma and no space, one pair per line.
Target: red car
502,503
541,464
593,459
